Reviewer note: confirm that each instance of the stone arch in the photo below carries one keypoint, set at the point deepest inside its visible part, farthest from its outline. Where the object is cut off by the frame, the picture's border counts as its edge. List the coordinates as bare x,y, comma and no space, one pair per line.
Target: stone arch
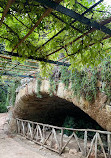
29,106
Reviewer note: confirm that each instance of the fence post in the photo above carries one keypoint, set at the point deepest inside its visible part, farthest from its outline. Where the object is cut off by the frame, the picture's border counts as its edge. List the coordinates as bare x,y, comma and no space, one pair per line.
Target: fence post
43,139
109,145
61,141
85,143
23,129
96,144
18,126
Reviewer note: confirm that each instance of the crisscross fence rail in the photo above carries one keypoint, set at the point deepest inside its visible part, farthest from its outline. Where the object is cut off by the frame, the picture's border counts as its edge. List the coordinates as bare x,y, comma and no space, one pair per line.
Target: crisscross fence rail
87,141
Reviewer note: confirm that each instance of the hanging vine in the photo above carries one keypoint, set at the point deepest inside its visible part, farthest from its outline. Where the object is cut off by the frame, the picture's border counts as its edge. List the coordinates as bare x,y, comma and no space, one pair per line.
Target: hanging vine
84,82
11,96
52,87
39,82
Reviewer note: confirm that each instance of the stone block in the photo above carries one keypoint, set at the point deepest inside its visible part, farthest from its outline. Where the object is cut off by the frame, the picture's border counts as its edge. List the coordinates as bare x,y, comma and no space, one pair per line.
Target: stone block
92,156
103,99
72,151
66,150
108,108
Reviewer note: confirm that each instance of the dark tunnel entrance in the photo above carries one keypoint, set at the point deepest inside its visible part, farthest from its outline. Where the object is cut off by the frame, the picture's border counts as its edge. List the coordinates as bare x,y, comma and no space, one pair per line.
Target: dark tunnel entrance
54,111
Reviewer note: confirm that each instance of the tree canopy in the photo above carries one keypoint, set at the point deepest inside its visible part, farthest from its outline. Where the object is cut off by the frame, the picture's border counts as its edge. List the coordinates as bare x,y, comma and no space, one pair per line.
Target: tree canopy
77,32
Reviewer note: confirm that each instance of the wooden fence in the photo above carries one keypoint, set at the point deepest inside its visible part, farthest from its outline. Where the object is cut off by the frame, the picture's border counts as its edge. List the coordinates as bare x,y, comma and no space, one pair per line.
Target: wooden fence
87,141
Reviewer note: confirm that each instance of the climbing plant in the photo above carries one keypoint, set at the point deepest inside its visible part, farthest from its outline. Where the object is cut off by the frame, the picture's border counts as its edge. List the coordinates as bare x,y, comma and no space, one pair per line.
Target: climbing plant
105,70
3,96
38,79
23,15
11,93
84,82
65,76
52,87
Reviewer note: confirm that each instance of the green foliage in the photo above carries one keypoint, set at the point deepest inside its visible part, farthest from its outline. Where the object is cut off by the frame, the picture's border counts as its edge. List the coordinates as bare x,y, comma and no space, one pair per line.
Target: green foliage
23,15
76,82
38,78
65,76
52,87
106,77
3,108
76,123
68,123
84,82
11,94
89,85
3,96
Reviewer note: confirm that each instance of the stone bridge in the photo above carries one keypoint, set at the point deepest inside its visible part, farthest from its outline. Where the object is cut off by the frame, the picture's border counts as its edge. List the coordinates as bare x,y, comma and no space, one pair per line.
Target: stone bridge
50,109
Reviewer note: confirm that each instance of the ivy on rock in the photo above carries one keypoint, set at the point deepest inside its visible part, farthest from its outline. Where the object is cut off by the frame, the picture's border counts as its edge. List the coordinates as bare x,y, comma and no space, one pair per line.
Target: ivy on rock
85,82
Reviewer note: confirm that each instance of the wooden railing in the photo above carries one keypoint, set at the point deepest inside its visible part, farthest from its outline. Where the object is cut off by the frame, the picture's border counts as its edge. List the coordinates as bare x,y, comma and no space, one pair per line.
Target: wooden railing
92,142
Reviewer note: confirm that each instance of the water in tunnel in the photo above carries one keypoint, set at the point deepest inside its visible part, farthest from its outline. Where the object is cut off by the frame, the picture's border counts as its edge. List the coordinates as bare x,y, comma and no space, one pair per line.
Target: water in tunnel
54,111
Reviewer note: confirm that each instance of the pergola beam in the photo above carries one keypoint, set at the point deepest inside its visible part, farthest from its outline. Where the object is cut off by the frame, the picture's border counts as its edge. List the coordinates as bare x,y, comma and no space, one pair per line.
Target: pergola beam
88,10
54,5
66,22
36,58
75,15
46,13
81,36
84,48
6,10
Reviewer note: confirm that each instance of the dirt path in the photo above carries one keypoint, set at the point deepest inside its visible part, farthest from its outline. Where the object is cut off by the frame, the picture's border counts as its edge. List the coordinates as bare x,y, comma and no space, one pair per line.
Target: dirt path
18,147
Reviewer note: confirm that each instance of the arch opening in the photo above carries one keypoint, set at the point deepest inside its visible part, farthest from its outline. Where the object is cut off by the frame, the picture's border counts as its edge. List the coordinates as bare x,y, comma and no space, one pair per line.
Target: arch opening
54,111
